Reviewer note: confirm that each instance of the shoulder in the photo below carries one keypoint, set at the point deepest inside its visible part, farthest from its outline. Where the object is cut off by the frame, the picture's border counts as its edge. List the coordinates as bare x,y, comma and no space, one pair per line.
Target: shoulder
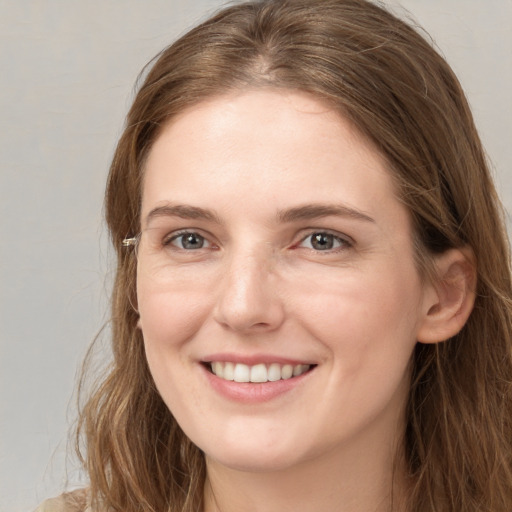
75,501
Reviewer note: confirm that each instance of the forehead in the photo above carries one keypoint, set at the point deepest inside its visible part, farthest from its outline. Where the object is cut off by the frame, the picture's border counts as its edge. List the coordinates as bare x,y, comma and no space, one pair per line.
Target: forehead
274,146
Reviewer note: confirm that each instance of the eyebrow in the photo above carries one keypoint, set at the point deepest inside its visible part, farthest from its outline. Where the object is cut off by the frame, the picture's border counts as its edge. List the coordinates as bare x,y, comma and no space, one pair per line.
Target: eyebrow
304,212
315,211
183,211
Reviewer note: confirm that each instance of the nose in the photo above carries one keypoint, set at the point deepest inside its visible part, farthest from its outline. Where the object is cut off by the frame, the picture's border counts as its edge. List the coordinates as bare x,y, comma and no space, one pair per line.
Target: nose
249,300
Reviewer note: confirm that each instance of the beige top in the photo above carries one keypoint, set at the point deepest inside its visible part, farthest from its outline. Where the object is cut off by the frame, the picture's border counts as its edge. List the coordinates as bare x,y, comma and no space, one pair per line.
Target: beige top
75,501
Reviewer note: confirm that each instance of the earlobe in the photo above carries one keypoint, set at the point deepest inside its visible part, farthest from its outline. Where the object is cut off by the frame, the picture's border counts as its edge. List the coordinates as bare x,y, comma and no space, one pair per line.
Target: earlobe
449,300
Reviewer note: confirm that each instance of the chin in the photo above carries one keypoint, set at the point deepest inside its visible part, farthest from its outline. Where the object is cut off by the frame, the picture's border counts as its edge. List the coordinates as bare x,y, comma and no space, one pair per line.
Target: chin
256,457
253,462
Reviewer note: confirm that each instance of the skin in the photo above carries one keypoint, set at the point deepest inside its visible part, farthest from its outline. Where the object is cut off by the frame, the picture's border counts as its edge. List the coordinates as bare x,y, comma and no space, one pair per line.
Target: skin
259,287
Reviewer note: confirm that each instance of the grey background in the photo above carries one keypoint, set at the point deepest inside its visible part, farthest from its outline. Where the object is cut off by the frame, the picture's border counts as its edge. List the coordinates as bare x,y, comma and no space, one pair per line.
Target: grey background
67,69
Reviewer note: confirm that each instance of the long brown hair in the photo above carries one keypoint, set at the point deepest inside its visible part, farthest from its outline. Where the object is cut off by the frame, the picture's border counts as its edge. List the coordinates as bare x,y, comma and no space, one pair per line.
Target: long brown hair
395,88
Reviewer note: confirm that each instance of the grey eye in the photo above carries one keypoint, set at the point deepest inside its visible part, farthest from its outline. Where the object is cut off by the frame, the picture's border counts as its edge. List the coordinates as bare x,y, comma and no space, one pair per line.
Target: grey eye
189,241
322,241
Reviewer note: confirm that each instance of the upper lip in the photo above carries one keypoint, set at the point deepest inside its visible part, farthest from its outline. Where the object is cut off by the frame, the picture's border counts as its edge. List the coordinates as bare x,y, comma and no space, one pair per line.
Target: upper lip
251,360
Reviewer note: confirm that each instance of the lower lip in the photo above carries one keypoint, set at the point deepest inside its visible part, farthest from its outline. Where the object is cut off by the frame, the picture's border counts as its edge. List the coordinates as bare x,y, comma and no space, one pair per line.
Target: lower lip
253,393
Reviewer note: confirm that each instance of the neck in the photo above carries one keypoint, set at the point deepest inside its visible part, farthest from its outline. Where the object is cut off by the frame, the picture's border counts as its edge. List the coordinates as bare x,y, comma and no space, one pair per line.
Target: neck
355,479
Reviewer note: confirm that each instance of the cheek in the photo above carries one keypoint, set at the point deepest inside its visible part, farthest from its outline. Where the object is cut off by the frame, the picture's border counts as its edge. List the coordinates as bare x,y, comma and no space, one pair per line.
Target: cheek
169,315
168,320
363,319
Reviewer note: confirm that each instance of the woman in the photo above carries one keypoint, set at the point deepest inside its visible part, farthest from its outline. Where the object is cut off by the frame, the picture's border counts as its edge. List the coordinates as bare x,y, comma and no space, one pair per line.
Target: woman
312,302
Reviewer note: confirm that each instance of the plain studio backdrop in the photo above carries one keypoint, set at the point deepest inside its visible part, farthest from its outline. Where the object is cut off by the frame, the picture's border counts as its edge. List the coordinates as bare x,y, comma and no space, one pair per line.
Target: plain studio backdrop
67,70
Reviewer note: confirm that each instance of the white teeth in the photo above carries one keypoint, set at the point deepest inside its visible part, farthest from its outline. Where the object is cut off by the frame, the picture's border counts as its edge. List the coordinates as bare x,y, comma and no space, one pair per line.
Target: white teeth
218,369
229,371
258,373
274,372
286,371
242,373
297,370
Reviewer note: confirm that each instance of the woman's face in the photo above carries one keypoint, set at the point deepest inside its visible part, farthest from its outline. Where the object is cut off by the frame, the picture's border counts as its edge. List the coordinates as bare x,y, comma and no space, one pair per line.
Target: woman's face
274,251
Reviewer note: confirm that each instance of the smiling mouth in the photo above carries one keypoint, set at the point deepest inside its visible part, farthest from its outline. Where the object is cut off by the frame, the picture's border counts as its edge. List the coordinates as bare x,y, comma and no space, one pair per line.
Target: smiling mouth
258,373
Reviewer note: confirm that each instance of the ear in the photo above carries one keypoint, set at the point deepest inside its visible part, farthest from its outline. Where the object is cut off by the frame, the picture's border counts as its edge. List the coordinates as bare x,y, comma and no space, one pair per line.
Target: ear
450,299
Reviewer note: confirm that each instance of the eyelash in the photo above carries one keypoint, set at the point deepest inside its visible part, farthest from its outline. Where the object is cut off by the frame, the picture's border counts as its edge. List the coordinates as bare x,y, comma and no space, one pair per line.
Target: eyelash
342,242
